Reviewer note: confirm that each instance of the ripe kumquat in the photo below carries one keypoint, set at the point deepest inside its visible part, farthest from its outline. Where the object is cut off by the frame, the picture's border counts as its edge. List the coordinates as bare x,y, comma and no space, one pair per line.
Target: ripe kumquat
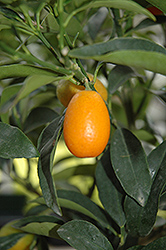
86,125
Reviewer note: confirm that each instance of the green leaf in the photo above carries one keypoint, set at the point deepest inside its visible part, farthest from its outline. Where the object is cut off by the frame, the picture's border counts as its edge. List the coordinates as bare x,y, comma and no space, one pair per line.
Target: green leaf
140,220
117,44
83,169
14,144
20,70
11,14
118,76
38,117
81,203
155,245
135,248
110,197
159,4
46,225
132,52
30,84
47,143
7,98
117,4
8,242
156,158
83,235
130,165
96,21
34,82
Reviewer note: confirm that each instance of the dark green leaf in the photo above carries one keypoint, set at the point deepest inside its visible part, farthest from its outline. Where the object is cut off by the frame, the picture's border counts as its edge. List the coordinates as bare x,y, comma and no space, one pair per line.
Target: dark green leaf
83,235
79,202
47,145
110,197
38,117
156,158
140,220
7,98
155,245
136,248
14,144
130,165
8,242
38,218
118,76
11,14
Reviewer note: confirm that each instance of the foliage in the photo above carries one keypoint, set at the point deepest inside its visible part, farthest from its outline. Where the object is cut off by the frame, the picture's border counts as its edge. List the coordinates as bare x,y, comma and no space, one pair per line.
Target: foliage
114,201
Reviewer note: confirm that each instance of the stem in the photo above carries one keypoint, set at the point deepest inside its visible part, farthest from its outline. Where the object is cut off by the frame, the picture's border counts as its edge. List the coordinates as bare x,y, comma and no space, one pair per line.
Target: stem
32,59
61,23
100,64
144,97
47,44
128,105
119,30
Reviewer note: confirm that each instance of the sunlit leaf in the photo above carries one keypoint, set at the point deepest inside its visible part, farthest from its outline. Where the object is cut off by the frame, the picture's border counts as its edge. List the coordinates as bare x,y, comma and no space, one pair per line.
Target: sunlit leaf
46,225
8,242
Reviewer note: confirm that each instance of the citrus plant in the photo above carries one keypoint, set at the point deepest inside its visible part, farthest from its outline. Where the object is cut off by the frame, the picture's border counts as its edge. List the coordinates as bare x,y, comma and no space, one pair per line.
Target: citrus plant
109,192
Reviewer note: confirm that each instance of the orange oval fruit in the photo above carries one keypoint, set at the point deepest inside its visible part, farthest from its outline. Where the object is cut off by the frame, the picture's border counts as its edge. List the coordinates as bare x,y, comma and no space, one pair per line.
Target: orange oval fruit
86,126
66,90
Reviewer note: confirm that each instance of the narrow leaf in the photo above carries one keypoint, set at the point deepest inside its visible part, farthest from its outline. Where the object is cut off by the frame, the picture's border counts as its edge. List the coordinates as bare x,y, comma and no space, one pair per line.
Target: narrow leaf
118,76
7,97
117,4
38,117
83,235
110,197
140,220
116,44
7,242
130,165
79,202
20,70
47,145
46,225
14,144
156,158
131,52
